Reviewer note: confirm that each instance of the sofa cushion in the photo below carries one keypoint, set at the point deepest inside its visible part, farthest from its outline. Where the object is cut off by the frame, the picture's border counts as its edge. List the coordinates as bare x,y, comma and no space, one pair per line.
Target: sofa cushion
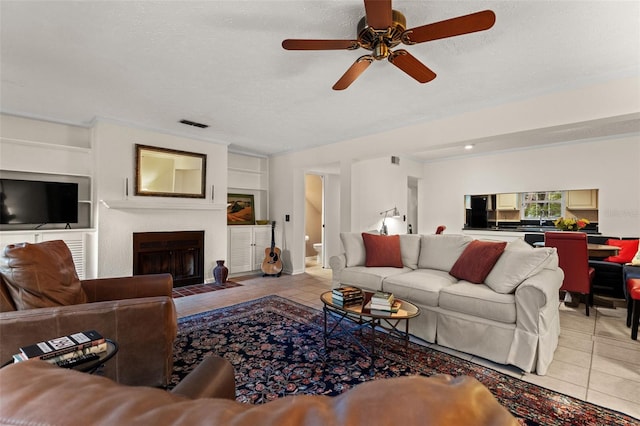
517,263
41,275
421,286
479,300
477,260
410,249
368,278
353,248
382,250
441,251
628,249
519,243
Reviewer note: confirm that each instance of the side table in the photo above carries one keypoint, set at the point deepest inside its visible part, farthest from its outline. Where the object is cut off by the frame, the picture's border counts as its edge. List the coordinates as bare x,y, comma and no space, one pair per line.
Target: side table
94,365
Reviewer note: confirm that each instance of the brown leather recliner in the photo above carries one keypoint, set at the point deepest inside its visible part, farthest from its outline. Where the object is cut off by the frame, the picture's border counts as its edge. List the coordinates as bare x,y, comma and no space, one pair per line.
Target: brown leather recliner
32,390
42,298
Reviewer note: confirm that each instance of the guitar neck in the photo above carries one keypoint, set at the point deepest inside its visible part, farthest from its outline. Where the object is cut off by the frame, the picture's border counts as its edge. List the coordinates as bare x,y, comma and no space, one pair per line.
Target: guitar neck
273,236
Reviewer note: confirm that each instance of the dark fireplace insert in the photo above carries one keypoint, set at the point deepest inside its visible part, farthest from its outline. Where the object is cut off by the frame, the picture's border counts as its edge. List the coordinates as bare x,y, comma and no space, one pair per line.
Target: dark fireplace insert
179,253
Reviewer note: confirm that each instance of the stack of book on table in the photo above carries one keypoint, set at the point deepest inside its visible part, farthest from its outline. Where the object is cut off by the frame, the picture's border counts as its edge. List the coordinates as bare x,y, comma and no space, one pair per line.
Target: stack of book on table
347,296
383,303
66,351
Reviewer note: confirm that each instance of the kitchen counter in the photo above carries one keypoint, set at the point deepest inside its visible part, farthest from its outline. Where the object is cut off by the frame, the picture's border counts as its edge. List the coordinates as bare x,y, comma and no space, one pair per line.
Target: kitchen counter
511,233
521,229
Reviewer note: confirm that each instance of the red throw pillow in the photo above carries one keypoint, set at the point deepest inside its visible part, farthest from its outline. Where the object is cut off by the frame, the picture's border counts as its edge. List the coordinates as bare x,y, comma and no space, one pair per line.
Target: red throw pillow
628,249
382,250
477,260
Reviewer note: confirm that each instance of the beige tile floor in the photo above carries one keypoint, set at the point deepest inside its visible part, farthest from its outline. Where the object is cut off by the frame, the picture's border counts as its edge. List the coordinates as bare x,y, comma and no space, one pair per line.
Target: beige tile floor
596,359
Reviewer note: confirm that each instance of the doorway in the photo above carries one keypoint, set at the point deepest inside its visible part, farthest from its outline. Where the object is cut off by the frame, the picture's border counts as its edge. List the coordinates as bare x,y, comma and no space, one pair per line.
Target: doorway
412,205
314,220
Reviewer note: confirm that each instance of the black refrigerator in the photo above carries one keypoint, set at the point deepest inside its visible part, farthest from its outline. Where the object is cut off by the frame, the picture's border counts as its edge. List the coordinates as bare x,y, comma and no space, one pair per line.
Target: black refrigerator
478,214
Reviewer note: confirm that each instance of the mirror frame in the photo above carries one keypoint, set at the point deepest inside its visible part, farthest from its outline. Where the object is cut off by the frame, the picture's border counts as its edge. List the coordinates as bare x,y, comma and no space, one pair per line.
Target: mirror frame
177,153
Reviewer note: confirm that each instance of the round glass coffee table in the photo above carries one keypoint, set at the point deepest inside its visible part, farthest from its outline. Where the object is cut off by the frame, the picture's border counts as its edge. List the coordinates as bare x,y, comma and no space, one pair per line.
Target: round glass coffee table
365,318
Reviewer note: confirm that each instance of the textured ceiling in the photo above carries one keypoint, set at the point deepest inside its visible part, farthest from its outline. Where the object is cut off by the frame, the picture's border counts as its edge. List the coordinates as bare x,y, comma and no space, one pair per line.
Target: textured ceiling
152,63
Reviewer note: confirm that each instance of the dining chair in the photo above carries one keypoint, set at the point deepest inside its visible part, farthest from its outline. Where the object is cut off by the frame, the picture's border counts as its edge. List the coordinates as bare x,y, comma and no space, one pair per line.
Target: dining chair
440,229
633,306
574,261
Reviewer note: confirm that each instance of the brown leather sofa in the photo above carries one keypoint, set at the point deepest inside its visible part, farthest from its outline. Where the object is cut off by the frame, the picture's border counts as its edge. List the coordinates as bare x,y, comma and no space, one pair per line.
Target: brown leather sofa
42,298
33,391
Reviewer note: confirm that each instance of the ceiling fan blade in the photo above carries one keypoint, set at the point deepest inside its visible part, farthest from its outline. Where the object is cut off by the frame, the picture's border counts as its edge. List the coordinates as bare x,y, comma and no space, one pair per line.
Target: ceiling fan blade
378,13
409,64
297,44
354,71
466,24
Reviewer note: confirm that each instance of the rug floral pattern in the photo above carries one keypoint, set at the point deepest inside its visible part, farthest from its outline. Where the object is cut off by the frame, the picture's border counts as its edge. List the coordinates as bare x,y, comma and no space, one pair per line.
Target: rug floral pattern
277,349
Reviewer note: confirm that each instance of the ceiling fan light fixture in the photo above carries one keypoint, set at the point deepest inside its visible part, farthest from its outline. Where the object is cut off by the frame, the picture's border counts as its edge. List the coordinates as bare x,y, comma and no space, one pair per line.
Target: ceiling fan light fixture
380,50
369,37
382,29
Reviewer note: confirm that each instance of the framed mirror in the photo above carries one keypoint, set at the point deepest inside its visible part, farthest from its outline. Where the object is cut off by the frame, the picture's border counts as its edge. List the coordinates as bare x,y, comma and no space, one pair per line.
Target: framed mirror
163,172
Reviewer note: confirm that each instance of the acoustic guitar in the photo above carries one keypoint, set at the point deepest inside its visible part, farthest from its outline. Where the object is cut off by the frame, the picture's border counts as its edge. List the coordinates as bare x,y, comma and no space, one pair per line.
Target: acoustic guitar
272,263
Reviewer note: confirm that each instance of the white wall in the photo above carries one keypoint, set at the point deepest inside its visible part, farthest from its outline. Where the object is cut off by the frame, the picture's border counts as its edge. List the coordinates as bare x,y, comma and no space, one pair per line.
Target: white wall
611,165
614,170
379,185
106,153
114,146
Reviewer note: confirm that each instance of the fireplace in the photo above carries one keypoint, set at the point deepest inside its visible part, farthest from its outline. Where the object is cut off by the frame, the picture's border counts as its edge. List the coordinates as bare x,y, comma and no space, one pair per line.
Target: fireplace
179,253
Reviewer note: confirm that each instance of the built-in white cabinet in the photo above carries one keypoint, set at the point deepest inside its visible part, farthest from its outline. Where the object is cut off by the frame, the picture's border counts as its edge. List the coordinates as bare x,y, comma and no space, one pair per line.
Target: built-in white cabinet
76,240
248,174
246,247
246,244
507,202
582,199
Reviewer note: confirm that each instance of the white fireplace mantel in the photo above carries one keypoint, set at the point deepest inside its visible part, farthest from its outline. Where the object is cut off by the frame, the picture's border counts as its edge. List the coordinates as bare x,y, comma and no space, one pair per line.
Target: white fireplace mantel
159,205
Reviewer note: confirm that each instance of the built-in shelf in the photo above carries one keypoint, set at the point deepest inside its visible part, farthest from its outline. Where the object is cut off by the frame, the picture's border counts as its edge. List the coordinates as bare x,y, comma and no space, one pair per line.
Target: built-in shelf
252,171
233,189
154,204
46,145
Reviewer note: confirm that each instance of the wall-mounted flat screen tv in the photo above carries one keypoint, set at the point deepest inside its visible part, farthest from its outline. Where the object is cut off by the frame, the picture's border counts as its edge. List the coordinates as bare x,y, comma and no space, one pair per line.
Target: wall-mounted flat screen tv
37,202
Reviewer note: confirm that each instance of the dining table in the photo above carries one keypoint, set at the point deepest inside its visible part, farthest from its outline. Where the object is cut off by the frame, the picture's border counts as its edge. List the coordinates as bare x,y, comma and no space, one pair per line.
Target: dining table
602,250
594,250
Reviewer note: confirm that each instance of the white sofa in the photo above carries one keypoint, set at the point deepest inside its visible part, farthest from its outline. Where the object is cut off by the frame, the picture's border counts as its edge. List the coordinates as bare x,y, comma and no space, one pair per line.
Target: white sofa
511,318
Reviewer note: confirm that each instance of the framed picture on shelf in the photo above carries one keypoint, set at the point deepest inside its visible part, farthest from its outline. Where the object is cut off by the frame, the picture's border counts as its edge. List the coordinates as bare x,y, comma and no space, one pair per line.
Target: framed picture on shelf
240,209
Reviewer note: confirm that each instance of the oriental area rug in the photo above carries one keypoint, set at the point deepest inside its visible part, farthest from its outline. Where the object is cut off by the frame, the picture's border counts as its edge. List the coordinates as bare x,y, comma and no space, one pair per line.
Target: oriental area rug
277,349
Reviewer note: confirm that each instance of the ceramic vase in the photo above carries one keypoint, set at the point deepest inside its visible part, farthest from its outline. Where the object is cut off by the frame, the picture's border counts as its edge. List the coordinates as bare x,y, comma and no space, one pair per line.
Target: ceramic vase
220,272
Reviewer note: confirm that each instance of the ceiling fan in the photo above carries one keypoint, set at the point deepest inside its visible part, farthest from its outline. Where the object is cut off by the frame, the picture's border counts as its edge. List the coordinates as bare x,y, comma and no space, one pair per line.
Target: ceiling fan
382,29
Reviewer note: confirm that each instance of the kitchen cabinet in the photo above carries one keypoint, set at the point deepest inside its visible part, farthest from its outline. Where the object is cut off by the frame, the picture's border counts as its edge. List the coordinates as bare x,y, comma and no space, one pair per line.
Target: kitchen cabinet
246,245
582,199
507,202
